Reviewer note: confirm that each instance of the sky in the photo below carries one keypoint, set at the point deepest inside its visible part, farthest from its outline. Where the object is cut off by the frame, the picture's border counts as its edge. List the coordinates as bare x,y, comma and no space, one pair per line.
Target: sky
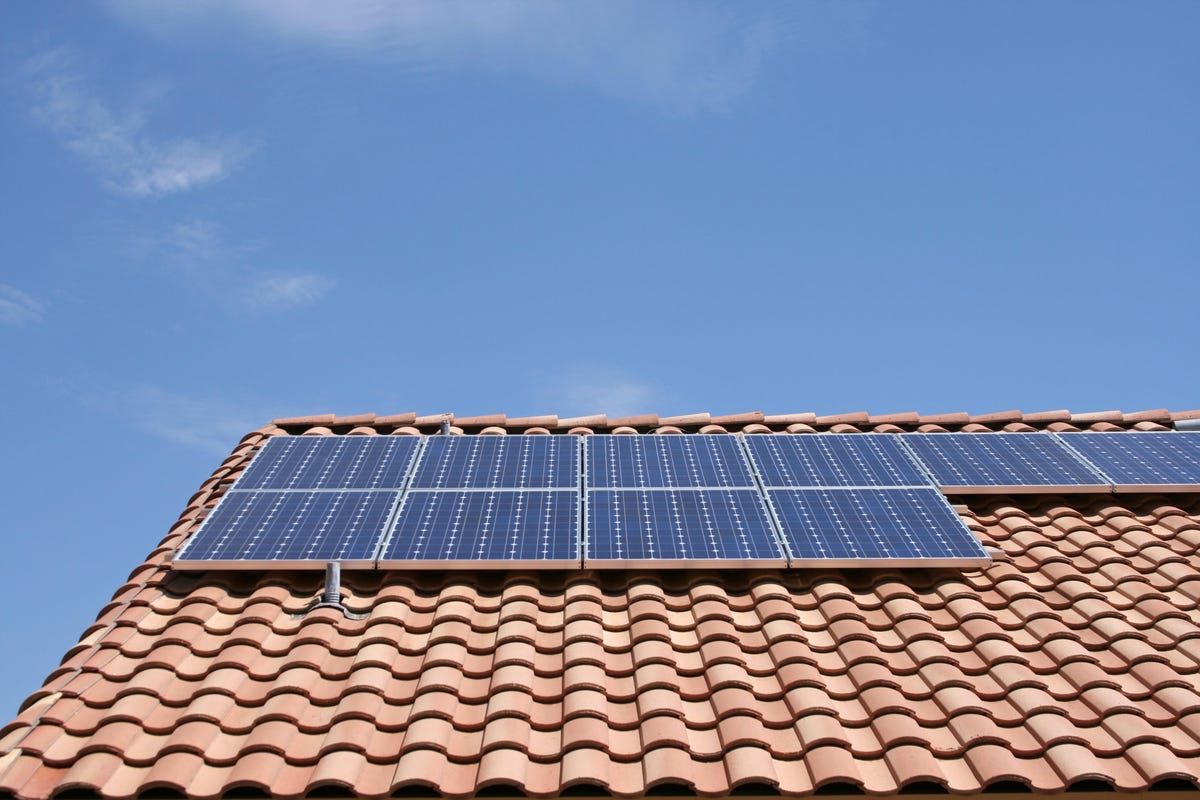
213,215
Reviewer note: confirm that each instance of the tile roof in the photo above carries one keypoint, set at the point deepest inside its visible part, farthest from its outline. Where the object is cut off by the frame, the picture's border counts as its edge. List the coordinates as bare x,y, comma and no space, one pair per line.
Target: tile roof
1072,661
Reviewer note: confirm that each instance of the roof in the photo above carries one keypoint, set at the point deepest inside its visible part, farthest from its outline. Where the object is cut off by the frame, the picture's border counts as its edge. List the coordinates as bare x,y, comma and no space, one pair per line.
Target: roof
1073,661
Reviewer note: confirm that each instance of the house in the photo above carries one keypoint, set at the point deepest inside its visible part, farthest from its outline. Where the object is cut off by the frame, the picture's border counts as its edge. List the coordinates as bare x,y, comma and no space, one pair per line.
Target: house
1071,663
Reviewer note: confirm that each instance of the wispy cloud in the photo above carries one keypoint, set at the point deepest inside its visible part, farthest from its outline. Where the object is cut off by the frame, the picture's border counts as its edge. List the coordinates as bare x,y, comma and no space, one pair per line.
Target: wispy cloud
18,308
686,56
277,291
599,390
209,424
116,144
196,250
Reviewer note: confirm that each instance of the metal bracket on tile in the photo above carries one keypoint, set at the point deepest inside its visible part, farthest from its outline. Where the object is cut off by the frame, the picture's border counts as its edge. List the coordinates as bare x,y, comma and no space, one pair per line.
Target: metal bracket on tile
332,596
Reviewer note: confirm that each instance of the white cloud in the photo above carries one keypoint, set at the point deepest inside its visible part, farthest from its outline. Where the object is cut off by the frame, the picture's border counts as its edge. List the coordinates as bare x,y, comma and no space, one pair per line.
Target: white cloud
116,145
211,425
197,252
599,390
685,56
18,308
278,291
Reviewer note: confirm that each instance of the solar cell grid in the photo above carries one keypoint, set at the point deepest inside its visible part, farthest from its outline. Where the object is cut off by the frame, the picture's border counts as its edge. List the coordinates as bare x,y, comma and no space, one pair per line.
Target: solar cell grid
833,459
330,462
1136,460
855,527
534,528
291,528
647,527
1009,462
498,462
684,461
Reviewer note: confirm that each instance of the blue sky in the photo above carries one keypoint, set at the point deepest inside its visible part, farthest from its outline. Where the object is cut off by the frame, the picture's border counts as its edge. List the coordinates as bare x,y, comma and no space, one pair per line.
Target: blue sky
218,214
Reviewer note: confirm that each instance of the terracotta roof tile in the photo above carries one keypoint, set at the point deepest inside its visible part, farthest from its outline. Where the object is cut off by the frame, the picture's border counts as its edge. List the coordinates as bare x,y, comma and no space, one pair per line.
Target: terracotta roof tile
1076,658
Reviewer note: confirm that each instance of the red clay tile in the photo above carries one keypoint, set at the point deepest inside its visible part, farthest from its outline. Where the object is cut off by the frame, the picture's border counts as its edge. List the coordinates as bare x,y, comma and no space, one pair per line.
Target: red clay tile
1075,660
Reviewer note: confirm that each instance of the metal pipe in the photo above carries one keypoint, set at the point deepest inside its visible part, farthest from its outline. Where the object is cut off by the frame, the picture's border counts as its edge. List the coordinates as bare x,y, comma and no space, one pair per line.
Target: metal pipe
333,584
1187,424
445,426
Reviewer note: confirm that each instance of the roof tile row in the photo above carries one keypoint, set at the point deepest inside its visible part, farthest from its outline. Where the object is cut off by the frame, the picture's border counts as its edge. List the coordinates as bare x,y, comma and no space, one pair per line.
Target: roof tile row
752,422
1074,657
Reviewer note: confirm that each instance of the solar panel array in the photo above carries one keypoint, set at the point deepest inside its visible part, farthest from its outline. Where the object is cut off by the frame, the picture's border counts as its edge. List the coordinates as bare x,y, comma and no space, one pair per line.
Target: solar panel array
1002,462
855,527
645,501
528,529
331,462
714,527
676,462
869,459
1142,461
499,462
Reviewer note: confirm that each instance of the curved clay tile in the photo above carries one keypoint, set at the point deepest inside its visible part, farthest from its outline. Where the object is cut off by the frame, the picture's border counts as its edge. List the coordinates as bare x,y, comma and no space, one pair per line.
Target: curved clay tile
545,421
640,421
667,429
975,427
931,428
493,430
1098,416
315,419
318,431
355,419
737,419
685,419
844,427
480,421
1060,427
363,430
582,431
406,430
536,430
713,429
397,419
954,418
592,421
756,428
807,418
887,428
624,430
800,427
904,418
1019,427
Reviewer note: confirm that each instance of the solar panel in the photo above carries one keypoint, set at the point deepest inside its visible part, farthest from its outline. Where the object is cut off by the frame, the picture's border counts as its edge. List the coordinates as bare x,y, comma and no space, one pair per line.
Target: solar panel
499,462
331,462
1002,462
496,529
691,461
714,527
874,527
1142,460
834,459
290,529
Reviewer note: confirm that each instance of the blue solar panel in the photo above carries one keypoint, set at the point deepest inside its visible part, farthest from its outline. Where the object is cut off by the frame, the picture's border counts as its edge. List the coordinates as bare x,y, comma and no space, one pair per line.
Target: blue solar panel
636,462
723,527
499,462
291,528
1150,459
965,462
331,462
508,528
857,527
834,459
